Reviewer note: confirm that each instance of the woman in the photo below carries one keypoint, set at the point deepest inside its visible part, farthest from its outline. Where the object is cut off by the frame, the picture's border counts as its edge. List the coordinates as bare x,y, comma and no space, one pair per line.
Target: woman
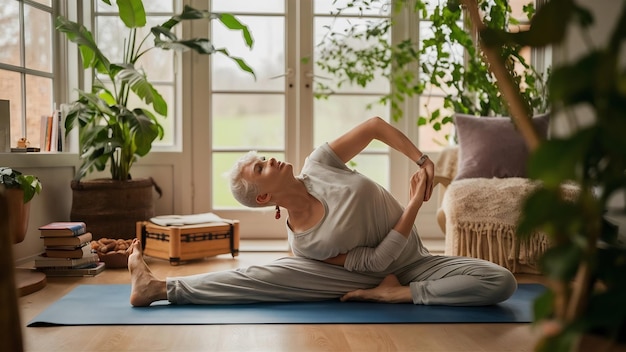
351,239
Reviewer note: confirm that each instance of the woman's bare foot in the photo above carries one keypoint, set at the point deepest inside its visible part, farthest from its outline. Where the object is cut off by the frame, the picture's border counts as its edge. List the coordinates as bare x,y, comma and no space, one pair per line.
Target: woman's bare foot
390,291
146,288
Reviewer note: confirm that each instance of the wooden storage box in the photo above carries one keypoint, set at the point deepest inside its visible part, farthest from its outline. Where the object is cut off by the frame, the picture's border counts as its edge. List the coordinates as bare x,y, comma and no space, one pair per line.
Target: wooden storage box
187,242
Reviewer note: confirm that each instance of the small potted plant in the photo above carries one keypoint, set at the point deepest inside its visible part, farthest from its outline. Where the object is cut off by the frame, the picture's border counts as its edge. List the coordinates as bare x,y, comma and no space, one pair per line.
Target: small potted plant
19,189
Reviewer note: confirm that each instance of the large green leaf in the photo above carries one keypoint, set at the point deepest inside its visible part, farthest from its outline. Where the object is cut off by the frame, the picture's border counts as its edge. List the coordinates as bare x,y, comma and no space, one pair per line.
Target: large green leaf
140,85
560,262
76,113
190,13
165,39
93,137
242,64
231,22
559,160
542,306
145,131
566,90
94,160
548,26
30,184
96,102
132,13
91,55
545,210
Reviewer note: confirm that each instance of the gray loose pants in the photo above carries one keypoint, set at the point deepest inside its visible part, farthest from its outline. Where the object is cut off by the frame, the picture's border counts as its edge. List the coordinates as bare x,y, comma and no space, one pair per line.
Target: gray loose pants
434,280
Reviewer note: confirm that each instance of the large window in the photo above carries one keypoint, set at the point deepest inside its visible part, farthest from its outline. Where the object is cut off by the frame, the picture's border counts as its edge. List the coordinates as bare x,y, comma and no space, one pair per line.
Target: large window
27,64
350,104
277,114
248,114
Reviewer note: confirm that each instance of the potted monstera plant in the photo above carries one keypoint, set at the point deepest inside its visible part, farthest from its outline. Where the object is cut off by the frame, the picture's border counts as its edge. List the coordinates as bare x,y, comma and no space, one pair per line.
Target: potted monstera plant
113,132
19,189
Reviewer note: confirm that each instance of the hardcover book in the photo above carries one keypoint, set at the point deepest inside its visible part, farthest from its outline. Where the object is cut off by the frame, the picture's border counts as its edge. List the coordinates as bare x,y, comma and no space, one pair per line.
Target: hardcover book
74,241
63,229
89,270
76,253
43,261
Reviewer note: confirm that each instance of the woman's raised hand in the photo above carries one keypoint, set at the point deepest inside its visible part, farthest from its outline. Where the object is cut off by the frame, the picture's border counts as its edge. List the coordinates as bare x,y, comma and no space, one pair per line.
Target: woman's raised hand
418,187
429,168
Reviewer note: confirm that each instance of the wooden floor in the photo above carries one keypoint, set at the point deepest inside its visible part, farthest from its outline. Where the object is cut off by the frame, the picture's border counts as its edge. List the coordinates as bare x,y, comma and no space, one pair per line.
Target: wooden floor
297,338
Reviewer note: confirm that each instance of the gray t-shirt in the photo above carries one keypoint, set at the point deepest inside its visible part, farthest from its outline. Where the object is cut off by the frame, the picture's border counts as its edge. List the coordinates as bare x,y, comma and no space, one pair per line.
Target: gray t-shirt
358,212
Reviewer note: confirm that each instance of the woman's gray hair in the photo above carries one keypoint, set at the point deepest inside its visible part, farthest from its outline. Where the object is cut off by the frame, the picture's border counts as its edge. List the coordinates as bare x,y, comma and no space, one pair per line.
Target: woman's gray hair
244,191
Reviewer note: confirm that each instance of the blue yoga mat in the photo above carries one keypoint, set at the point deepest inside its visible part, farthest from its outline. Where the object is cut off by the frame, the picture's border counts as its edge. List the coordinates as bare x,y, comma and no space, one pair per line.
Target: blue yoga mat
79,307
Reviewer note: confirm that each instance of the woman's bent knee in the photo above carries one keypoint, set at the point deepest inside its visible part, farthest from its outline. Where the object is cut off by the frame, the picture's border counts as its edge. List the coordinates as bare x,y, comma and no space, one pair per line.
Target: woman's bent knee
505,285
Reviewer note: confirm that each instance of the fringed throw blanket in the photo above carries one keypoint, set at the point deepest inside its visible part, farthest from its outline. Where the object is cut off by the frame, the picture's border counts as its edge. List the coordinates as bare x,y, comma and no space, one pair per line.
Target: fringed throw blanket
481,218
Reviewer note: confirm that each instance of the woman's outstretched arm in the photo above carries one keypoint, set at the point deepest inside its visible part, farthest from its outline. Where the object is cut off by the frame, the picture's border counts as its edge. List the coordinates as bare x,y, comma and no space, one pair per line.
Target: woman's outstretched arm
351,143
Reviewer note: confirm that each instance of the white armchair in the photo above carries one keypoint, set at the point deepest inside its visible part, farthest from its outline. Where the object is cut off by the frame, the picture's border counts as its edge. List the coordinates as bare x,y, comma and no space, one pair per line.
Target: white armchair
479,217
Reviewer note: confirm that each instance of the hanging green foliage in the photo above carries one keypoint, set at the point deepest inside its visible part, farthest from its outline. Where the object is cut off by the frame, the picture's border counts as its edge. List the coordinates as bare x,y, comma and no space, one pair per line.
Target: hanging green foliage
446,61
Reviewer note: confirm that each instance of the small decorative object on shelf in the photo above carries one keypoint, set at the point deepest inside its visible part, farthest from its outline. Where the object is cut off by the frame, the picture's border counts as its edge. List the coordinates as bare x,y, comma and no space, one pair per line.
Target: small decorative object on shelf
23,143
23,146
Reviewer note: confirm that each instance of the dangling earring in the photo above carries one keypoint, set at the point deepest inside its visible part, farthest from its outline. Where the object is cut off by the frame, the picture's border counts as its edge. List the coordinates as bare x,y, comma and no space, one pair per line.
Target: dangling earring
277,216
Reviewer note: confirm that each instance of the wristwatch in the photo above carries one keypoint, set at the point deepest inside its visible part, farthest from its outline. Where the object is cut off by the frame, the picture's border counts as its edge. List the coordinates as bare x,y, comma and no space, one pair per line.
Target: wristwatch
422,160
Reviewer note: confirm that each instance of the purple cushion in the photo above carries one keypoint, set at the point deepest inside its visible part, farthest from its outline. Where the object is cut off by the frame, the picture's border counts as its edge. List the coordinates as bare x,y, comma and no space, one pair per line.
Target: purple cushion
492,146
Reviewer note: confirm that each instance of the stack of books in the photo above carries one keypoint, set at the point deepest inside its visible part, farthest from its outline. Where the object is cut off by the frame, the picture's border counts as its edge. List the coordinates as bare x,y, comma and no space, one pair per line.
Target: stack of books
67,250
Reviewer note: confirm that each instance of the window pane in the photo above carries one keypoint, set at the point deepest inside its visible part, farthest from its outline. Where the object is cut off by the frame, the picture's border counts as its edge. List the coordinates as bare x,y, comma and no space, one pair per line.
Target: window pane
249,121
44,2
222,163
430,59
328,30
267,58
11,90
343,113
110,32
323,7
38,39
110,37
517,9
264,6
149,6
159,6
168,122
431,6
38,103
10,37
375,167
158,64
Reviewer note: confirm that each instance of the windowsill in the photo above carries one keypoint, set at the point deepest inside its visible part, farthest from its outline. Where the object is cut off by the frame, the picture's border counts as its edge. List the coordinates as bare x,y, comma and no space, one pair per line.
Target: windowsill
37,153
39,159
